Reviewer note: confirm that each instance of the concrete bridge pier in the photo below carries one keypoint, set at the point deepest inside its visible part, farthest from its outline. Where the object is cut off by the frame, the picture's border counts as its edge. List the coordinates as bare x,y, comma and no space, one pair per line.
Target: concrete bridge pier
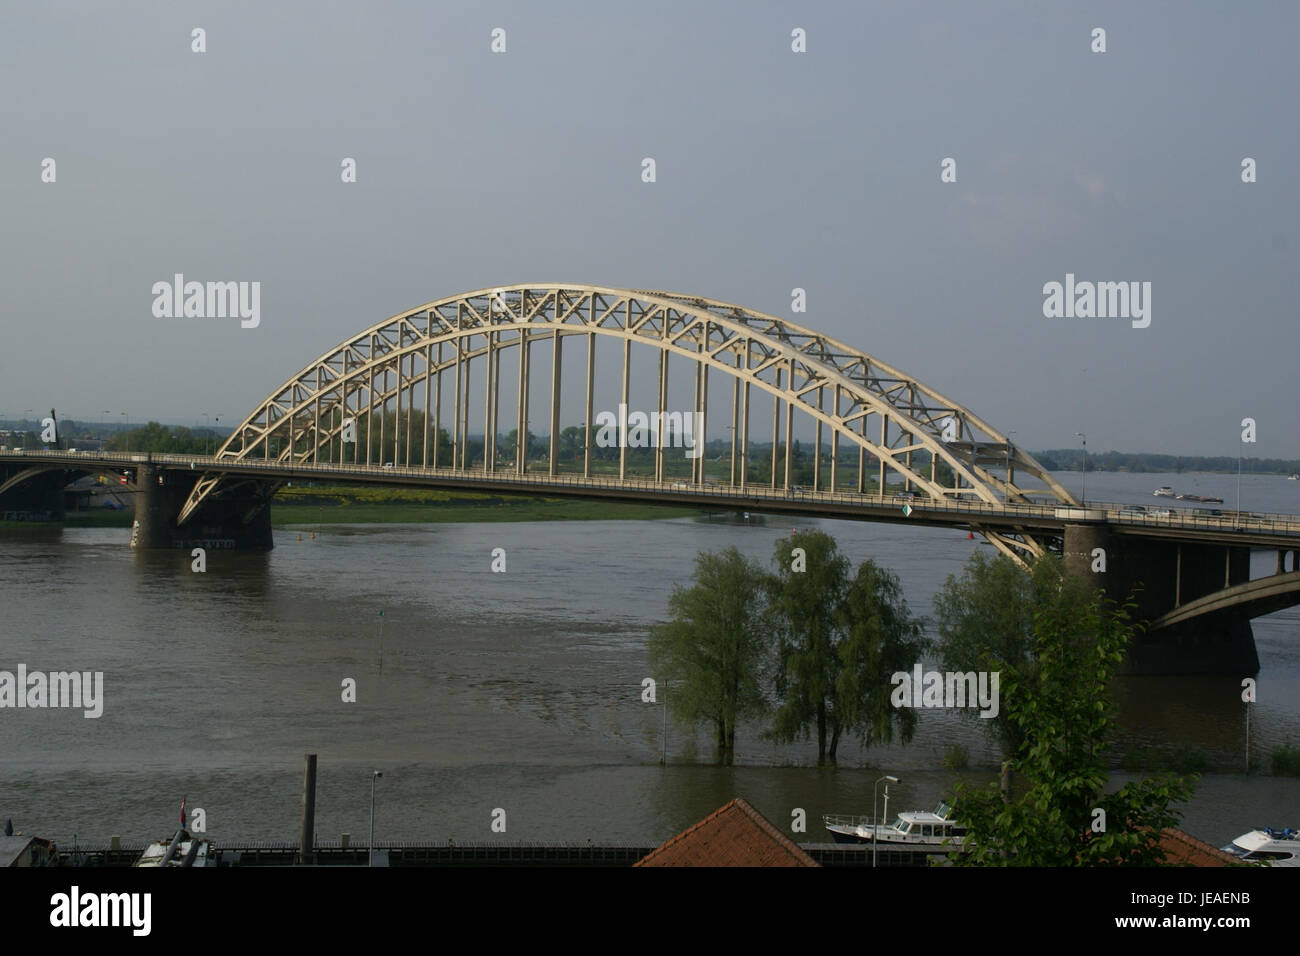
230,523
1161,576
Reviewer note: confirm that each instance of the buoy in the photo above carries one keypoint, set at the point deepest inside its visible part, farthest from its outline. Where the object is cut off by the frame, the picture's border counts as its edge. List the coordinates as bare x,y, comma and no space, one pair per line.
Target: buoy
970,535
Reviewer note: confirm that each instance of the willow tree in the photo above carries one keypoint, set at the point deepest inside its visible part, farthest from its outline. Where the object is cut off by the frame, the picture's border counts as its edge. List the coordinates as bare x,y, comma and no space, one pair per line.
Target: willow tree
839,638
714,646
987,619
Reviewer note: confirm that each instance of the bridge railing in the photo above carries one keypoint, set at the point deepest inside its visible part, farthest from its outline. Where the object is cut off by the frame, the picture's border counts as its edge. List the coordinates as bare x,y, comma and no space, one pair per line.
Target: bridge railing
1227,519
735,495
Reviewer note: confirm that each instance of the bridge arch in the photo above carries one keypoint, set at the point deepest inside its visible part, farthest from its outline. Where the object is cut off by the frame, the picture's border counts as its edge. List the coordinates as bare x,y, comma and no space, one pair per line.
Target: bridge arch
848,394
20,477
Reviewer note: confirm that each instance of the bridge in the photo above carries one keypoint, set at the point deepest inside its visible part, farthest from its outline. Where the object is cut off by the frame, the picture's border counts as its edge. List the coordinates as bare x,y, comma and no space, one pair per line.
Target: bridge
395,403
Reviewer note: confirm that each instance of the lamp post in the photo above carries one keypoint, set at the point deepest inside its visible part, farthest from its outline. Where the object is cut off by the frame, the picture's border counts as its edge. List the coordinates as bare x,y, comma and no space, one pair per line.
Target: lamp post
1007,496
663,754
1083,492
875,823
370,856
1239,482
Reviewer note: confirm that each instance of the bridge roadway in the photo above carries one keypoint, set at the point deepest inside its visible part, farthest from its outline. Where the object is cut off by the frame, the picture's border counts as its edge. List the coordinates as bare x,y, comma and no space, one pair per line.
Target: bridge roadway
1245,529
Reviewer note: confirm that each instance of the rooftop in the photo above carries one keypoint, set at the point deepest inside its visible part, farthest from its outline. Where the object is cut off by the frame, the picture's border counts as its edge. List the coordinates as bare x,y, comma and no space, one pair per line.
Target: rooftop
733,835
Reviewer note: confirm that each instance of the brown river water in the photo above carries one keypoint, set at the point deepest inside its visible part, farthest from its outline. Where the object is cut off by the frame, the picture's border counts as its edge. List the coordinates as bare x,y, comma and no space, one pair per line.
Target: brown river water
519,691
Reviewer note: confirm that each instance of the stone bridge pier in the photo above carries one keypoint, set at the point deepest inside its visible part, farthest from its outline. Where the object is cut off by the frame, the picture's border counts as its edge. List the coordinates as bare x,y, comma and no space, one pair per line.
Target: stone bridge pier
235,521
1163,575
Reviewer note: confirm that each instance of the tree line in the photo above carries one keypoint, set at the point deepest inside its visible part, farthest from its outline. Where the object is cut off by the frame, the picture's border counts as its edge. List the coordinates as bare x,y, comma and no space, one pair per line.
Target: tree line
804,646
810,646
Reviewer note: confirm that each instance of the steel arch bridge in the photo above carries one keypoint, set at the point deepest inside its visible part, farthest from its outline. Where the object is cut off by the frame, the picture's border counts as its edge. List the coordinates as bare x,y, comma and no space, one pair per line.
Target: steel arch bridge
858,400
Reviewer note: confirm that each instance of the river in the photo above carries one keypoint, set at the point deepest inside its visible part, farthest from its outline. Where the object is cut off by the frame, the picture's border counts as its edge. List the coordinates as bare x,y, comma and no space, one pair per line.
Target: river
519,691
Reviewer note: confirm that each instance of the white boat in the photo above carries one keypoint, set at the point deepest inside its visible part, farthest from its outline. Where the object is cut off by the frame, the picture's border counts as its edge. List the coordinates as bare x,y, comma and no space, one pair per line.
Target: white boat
1295,477
1164,491
181,850
1267,847
911,828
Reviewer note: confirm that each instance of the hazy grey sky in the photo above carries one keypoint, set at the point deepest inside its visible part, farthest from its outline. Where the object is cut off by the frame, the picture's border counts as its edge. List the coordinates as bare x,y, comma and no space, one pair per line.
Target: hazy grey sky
776,170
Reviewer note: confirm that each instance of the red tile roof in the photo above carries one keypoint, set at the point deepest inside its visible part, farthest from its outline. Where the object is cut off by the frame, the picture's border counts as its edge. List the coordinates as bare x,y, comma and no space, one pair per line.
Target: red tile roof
734,835
1183,849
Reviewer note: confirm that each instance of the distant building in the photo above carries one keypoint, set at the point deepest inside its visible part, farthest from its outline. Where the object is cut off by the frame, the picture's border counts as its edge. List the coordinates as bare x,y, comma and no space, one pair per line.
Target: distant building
734,835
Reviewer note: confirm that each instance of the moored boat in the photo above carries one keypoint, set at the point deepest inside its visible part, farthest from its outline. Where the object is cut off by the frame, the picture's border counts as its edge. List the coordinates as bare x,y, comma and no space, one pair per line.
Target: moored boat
1267,847
911,828
183,849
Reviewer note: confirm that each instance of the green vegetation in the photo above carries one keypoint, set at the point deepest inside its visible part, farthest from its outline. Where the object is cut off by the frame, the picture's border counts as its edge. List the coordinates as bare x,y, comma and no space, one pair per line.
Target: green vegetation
986,621
361,504
955,757
1062,711
1286,761
812,646
838,640
177,440
1183,759
713,648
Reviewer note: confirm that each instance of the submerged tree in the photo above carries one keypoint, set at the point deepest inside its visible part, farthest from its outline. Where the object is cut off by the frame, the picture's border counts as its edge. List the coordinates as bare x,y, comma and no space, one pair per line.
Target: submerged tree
714,647
986,621
1061,713
880,638
839,638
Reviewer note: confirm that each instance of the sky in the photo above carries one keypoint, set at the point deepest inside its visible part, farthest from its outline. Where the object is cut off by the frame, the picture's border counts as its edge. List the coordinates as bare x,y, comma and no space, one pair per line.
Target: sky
775,170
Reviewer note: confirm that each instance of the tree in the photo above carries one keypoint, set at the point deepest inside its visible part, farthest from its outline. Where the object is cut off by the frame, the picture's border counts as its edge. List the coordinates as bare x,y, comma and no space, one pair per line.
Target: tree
838,641
1062,712
714,647
805,593
880,638
985,621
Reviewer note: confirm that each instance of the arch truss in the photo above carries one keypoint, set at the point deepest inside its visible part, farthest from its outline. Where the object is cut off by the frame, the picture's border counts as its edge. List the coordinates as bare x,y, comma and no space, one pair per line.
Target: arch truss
902,430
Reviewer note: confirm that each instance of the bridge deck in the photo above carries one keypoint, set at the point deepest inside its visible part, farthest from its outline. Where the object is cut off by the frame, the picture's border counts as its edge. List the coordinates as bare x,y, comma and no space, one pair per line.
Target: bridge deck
1264,531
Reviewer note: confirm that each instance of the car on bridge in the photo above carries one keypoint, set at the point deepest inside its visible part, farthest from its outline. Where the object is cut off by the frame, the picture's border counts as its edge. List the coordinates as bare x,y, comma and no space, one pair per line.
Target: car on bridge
1133,510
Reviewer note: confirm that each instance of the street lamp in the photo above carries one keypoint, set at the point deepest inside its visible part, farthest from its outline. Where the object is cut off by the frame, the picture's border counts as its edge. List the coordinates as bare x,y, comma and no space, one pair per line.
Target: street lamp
1083,493
370,856
1007,496
1239,451
875,822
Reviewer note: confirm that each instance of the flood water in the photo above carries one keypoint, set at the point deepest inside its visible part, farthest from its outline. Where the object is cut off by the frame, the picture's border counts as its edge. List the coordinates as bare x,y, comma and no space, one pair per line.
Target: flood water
520,691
